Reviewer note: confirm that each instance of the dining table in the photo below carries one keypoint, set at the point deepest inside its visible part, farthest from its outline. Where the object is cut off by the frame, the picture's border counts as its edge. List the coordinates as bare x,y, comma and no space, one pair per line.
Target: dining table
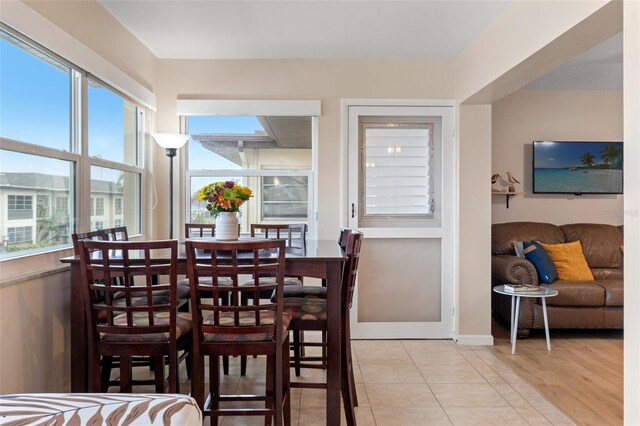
322,259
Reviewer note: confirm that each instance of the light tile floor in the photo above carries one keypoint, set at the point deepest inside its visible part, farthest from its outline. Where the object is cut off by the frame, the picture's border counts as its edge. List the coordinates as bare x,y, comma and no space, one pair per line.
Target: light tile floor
413,382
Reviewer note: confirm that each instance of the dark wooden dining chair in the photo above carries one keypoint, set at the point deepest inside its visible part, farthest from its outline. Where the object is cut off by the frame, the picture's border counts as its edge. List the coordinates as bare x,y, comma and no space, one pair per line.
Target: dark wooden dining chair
199,230
207,230
140,319
237,329
309,313
313,292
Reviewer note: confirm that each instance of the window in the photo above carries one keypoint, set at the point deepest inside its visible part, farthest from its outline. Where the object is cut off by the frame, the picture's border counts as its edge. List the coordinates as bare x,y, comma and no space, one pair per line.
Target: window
97,226
270,155
99,207
44,160
284,197
20,207
397,168
117,223
114,186
20,234
62,205
117,206
42,209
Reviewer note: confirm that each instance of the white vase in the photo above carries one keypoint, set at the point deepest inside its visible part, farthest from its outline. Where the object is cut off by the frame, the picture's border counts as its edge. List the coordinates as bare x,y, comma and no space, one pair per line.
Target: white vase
227,226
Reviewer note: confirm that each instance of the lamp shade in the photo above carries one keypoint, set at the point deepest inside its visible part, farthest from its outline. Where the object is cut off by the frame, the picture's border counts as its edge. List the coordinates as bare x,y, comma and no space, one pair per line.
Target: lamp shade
170,140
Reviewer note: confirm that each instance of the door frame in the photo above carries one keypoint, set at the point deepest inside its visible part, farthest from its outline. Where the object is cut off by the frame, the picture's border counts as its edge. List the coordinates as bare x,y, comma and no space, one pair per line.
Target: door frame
446,327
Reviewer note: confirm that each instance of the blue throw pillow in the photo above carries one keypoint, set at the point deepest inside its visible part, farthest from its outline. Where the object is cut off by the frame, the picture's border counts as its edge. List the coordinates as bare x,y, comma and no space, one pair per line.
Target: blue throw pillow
544,265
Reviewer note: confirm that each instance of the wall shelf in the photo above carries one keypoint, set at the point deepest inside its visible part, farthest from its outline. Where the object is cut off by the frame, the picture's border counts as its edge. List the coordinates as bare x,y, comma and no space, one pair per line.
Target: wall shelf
507,195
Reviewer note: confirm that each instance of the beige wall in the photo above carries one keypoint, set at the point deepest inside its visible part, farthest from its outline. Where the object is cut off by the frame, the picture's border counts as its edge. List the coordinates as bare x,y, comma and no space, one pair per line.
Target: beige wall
90,23
529,115
474,216
34,335
632,211
326,80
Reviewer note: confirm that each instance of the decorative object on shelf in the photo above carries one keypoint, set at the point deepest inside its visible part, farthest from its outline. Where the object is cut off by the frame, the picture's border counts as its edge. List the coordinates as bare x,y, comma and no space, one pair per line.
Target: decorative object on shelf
171,142
223,202
512,181
495,178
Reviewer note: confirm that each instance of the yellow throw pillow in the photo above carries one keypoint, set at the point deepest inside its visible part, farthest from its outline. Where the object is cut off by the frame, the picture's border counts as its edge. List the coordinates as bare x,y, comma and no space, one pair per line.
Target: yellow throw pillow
569,261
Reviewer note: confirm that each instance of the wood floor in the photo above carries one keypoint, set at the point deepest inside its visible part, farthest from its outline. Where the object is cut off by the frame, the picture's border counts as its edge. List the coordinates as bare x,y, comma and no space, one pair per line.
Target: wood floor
582,375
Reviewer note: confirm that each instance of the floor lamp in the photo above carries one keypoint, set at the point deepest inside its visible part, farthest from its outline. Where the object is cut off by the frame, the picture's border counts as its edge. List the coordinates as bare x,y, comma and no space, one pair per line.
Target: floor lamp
171,142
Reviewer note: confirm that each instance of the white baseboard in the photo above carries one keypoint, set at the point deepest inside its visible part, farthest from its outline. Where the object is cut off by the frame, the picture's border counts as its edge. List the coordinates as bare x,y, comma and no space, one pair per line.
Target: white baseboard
474,339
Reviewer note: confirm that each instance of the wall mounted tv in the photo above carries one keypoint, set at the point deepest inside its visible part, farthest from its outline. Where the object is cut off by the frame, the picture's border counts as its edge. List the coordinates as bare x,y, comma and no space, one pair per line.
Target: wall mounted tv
577,167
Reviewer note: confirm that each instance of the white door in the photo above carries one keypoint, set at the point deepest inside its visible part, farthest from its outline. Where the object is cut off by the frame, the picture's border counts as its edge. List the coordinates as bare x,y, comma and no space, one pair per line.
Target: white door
400,195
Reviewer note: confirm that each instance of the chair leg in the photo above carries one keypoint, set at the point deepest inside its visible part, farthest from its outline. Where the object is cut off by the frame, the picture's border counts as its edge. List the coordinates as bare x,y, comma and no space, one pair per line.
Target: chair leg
125,374
269,389
214,387
243,365
347,383
296,351
197,380
158,373
225,365
286,383
105,374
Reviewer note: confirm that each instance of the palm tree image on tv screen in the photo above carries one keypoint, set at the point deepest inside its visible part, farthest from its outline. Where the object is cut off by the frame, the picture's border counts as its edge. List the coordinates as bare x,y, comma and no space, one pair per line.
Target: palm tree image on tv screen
577,167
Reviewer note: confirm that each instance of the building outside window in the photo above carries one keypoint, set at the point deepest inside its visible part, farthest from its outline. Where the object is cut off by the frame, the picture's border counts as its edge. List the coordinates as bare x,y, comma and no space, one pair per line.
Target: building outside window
20,206
62,205
117,210
99,207
45,161
20,235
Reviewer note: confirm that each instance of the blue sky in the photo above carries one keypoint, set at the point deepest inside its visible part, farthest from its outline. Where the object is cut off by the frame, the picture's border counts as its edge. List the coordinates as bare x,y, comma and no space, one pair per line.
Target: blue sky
34,107
563,154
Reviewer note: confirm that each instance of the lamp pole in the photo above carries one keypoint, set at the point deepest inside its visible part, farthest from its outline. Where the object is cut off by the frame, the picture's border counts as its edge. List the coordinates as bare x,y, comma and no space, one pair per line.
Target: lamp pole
170,142
171,152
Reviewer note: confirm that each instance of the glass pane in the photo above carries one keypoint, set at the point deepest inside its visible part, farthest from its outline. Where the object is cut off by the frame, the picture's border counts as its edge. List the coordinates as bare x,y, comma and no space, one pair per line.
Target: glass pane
112,126
115,199
293,203
28,224
35,101
396,168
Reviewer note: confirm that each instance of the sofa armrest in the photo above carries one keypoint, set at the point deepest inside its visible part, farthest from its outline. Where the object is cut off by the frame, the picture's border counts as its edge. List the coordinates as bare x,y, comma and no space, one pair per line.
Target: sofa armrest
512,269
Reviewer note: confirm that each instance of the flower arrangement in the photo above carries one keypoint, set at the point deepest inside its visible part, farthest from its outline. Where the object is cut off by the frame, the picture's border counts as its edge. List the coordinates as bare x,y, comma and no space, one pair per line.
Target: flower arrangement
224,196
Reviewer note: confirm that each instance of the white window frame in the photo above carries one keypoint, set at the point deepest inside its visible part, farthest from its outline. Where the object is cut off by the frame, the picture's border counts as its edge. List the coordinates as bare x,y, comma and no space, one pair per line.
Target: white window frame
247,107
80,197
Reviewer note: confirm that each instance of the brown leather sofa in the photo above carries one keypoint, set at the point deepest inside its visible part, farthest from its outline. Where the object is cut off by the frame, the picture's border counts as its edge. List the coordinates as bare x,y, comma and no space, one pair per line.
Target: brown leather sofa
579,304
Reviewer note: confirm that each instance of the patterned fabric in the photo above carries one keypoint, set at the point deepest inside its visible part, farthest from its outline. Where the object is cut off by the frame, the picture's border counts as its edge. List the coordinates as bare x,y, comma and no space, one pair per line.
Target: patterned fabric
222,282
246,319
308,291
99,409
272,280
183,326
304,308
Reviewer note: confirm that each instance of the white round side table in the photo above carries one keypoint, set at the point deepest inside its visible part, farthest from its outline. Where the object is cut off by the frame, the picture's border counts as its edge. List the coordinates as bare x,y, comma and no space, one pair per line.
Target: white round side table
543,293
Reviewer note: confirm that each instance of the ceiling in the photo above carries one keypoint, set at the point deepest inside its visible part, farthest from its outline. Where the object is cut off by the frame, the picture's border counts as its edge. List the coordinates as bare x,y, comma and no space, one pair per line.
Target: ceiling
355,29
272,29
